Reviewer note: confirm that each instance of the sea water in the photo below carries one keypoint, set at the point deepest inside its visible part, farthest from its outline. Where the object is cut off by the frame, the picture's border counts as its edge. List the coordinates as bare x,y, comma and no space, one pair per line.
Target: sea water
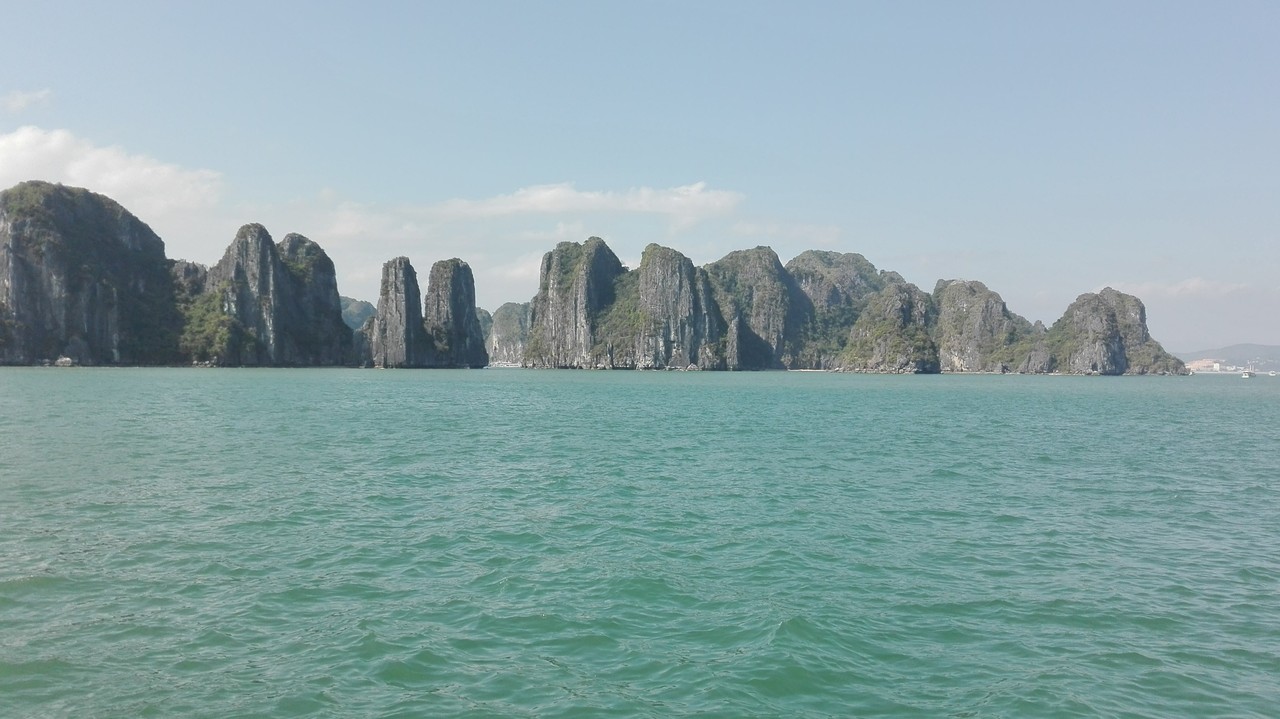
512,543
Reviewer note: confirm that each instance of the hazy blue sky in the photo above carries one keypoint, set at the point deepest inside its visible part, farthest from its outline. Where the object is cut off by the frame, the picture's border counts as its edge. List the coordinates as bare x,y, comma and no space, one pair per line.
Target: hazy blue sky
1047,149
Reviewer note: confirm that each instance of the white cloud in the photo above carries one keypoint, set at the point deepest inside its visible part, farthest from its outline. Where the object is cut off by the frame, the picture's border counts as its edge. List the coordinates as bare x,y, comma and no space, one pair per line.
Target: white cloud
147,187
1190,288
562,232
684,205
806,235
503,237
16,101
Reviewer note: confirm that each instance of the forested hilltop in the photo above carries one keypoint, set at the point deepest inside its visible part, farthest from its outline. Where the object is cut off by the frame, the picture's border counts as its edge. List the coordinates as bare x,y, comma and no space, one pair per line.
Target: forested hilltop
84,281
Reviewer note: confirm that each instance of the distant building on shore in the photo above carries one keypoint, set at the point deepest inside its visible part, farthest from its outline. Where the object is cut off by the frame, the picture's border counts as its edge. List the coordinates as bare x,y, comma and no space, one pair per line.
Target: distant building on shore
1205,365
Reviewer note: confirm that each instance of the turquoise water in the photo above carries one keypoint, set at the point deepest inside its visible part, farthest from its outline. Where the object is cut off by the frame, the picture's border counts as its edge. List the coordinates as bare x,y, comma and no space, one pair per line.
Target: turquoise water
237,543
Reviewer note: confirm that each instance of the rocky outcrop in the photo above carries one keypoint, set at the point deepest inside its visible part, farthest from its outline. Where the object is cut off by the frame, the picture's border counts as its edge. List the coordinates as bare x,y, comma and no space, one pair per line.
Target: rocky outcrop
251,284
1106,333
839,286
395,336
1032,354
510,332
189,278
83,278
486,324
892,334
267,305
82,281
592,312
576,284
315,319
974,329
449,314
407,331
676,322
763,308
355,312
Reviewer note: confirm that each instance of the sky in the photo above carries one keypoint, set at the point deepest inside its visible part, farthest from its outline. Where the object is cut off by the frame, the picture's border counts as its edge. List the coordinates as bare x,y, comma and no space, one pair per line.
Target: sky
1045,149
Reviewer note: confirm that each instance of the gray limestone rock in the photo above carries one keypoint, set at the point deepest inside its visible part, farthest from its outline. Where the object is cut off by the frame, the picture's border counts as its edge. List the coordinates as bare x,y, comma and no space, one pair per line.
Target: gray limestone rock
974,330
892,334
771,310
1106,333
395,336
486,324
839,286
355,312
1035,357
251,283
316,322
81,277
509,334
576,284
678,323
450,317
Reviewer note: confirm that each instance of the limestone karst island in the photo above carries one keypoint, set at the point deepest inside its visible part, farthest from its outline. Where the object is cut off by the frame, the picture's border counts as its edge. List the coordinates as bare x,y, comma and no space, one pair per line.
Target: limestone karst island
83,281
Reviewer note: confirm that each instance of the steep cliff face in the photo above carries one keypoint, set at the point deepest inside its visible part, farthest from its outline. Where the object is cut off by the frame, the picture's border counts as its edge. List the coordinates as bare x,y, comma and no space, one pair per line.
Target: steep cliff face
450,317
892,334
509,334
395,336
252,285
839,286
661,315
1032,354
677,321
355,312
486,324
1106,333
576,284
974,330
81,277
763,308
319,332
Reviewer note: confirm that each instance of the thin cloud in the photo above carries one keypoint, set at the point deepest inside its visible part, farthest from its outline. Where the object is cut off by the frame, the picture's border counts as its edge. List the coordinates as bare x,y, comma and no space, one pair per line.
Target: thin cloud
562,232
684,205
147,187
1190,288
808,235
16,101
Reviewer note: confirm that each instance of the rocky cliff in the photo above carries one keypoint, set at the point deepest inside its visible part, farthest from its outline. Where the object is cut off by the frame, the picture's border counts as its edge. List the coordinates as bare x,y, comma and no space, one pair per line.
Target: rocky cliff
675,321
892,333
763,307
266,305
486,325
251,284
576,284
355,312
591,311
510,332
395,335
839,286
1106,333
81,277
449,314
319,332
974,330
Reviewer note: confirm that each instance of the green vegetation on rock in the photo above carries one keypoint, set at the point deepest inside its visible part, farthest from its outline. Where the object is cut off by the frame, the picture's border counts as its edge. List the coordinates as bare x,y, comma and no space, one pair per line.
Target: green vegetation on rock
209,334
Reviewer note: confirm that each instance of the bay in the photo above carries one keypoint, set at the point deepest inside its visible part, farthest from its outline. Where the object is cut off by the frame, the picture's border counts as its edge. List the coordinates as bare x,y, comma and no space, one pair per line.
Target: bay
220,543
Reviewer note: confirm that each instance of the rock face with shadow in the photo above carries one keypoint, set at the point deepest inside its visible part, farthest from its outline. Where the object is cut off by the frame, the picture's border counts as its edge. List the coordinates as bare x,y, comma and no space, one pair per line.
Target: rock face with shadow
82,278
508,334
449,313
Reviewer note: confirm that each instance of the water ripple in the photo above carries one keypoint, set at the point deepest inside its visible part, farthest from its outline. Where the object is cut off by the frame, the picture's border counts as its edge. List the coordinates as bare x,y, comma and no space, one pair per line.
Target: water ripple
382,544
